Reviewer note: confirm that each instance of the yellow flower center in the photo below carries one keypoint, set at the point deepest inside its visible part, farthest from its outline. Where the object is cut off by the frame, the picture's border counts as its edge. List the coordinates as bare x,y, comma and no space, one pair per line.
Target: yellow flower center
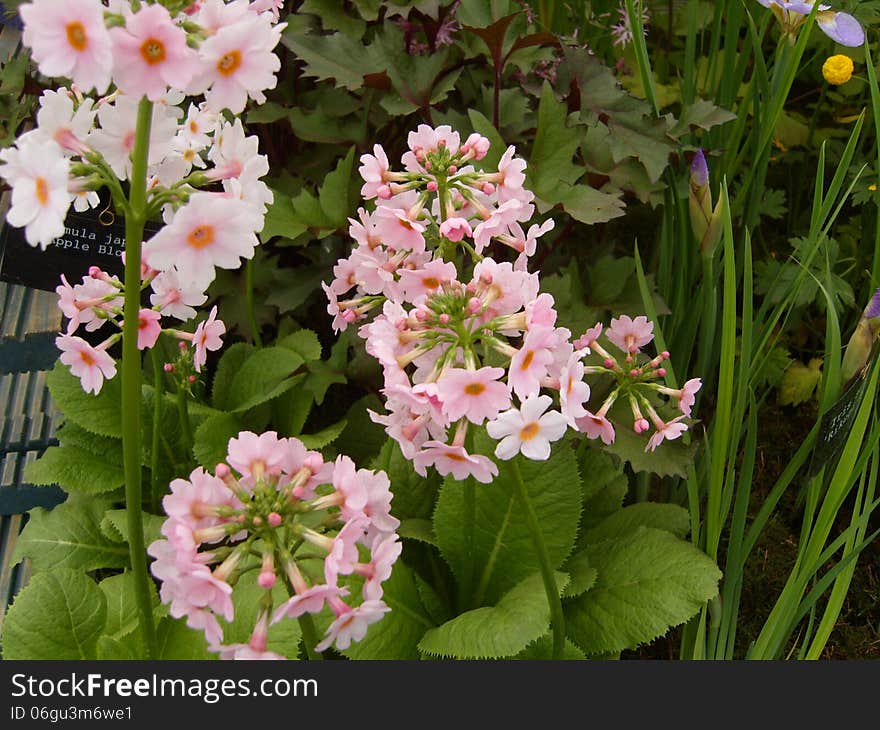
201,236
41,190
153,51
529,431
474,388
76,36
229,62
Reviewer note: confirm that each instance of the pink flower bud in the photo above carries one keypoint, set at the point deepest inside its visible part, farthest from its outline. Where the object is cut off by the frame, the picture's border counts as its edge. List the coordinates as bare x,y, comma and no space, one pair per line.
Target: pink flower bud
384,192
266,579
661,372
192,378
95,272
475,305
488,188
432,186
274,519
168,367
314,462
609,363
641,425
444,318
222,470
634,372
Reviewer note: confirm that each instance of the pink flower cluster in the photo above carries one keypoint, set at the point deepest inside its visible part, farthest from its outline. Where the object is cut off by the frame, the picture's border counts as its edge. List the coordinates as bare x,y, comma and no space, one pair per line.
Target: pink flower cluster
466,338
315,528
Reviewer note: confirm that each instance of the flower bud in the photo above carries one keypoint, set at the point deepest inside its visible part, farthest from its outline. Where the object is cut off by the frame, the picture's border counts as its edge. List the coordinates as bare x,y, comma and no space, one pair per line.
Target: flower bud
858,349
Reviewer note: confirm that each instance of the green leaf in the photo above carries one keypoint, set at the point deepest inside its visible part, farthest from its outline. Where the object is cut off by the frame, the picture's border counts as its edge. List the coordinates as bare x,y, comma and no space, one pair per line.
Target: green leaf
605,485
503,552
177,641
76,470
414,496
669,517
304,343
417,529
648,581
671,458
59,615
483,126
799,382
582,575
110,649
282,219
211,439
519,618
98,414
335,195
323,437
321,376
69,536
123,613
398,634
230,363
115,522
703,114
264,375
608,278
336,56
542,649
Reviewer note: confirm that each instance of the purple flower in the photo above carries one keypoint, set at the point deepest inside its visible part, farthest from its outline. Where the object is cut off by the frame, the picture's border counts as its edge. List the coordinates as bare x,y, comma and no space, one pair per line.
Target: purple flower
840,27
873,308
699,170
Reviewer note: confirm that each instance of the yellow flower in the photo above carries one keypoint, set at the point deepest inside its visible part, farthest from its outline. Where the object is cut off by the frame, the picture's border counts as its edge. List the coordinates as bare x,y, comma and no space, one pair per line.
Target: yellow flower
837,69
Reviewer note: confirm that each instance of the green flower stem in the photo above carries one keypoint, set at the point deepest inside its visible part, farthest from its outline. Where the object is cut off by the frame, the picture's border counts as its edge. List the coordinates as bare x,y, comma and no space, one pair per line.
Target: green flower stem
157,417
131,375
557,619
310,636
249,295
185,425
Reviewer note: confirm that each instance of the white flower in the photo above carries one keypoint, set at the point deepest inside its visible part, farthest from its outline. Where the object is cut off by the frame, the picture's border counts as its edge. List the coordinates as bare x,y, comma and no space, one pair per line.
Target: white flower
37,171
528,429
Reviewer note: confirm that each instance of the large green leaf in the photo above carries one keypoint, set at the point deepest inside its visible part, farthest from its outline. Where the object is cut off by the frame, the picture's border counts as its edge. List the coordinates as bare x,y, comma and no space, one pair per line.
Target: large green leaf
414,496
671,458
76,470
649,580
230,363
177,641
519,618
264,375
398,634
605,485
59,615
98,414
503,551
69,536
211,439
669,517
335,56
123,612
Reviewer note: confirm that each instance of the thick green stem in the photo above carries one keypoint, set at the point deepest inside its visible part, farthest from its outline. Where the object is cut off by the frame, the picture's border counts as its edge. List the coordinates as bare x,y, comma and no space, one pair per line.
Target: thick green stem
131,375
467,576
310,636
157,418
557,618
249,295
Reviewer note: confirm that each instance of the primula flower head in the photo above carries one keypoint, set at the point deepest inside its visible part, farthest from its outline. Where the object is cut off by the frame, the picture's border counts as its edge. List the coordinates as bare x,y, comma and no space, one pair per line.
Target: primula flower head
225,525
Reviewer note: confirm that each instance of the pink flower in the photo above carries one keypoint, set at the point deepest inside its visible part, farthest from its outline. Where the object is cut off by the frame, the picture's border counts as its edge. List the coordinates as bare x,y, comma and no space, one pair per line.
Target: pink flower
455,229
69,39
254,455
150,54
89,364
207,337
373,169
310,600
686,399
528,367
596,425
528,429
573,391
450,459
477,144
670,430
210,230
237,62
245,652
149,328
512,177
498,222
193,501
350,488
397,230
384,552
475,394
174,297
588,338
425,140
630,335
419,282
352,624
